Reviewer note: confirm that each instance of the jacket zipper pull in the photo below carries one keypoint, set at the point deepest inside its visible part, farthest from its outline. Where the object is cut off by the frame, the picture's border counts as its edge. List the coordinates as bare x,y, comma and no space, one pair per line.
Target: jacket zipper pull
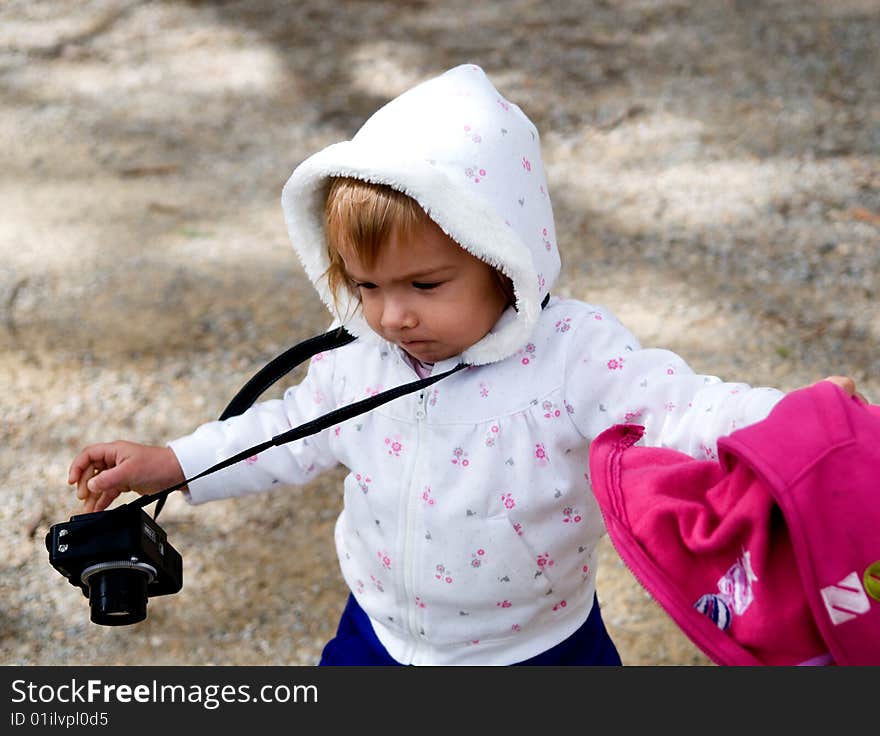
421,411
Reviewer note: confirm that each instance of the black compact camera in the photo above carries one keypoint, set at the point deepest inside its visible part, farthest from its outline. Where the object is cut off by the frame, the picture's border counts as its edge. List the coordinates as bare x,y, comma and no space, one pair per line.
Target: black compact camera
119,558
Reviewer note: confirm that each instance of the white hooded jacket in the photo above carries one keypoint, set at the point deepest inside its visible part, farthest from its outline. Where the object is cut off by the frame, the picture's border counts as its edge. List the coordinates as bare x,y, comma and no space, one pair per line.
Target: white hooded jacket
469,528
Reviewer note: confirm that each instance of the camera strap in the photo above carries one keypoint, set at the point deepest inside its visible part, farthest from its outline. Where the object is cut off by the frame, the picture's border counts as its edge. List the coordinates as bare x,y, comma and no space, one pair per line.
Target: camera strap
273,371
268,375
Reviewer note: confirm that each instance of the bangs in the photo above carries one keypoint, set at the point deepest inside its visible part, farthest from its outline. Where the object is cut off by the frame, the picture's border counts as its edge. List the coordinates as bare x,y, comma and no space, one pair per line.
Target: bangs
361,217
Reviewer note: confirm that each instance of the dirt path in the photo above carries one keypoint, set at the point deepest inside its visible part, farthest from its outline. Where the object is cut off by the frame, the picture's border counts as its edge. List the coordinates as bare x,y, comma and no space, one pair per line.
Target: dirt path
714,168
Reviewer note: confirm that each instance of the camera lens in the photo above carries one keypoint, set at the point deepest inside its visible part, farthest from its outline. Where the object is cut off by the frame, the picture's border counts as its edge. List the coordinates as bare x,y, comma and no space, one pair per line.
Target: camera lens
118,592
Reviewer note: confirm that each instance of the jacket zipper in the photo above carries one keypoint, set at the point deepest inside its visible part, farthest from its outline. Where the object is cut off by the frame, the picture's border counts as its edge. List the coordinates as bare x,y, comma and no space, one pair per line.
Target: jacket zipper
410,534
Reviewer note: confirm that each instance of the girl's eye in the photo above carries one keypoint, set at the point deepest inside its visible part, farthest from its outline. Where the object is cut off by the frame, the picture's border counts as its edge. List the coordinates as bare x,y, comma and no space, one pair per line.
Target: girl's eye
426,284
366,285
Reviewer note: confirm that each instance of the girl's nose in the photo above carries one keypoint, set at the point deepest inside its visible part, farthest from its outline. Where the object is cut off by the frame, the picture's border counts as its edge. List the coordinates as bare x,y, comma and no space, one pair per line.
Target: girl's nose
397,315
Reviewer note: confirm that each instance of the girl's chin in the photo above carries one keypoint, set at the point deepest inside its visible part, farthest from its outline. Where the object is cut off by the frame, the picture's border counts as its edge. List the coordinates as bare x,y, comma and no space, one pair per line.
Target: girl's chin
426,351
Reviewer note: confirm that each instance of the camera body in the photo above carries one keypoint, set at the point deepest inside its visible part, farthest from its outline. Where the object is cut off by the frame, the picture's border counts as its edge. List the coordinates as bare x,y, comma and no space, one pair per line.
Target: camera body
118,558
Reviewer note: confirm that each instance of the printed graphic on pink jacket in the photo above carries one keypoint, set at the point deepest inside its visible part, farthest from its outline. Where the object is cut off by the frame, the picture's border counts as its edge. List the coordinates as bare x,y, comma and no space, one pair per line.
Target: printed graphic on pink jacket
734,594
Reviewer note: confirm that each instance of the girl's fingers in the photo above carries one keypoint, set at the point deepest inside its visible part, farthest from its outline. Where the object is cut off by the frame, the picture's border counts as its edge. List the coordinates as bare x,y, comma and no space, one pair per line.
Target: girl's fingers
105,499
845,382
110,480
849,386
88,505
81,466
100,455
98,501
89,472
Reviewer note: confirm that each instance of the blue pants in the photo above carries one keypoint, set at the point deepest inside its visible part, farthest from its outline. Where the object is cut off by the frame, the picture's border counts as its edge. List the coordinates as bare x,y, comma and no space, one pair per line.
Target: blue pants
356,643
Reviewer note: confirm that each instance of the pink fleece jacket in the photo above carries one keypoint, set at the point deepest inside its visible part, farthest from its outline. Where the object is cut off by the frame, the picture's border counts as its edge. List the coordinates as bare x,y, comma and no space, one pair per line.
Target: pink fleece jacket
770,556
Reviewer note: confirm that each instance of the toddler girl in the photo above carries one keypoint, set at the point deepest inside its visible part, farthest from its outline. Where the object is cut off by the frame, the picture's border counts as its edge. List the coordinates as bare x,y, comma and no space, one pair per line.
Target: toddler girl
469,528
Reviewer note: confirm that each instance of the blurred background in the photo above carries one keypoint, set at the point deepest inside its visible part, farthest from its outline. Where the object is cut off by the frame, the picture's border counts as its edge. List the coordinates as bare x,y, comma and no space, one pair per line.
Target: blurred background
713,166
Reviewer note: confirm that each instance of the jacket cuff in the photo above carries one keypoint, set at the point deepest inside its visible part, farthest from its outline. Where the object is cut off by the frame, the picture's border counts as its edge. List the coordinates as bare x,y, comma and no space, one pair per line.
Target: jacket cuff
194,457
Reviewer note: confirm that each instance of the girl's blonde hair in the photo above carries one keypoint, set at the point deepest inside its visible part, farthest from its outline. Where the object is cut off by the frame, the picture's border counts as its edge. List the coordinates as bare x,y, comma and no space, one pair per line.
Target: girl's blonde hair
360,217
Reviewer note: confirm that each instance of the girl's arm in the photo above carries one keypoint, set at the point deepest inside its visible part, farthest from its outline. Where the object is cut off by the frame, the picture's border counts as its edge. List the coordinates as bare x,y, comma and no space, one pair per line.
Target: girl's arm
104,470
291,464
611,380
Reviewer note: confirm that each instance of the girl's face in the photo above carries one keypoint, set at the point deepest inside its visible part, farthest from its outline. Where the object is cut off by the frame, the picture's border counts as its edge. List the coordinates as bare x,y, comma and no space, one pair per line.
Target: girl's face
427,294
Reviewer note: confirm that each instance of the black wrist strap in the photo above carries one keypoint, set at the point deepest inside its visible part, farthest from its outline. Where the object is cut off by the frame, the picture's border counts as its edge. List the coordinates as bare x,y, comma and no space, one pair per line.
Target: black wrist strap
268,375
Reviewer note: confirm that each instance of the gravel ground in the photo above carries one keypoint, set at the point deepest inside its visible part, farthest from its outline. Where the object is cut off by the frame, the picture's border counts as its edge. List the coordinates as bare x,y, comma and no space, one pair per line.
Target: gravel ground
714,168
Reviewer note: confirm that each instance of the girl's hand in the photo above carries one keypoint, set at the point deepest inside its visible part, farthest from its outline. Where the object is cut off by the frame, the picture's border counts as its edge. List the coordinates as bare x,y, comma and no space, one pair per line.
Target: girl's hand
848,385
104,470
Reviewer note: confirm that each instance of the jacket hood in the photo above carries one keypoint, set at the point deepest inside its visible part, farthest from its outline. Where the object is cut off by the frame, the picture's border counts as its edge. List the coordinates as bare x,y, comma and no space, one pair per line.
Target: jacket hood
472,160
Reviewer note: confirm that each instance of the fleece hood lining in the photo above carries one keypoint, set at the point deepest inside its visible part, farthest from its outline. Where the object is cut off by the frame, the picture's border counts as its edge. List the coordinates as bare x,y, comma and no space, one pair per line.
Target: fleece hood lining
473,224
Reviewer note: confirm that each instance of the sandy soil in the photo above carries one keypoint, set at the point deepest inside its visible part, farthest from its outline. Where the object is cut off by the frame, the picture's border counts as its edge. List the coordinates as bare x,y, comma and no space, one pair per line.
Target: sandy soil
714,168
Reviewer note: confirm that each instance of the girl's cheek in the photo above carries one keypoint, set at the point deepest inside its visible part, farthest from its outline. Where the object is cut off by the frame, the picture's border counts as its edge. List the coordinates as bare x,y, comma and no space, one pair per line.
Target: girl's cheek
372,315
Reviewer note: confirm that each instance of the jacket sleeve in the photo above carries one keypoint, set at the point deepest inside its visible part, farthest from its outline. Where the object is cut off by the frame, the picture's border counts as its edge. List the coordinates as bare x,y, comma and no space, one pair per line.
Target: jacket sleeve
291,464
611,379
